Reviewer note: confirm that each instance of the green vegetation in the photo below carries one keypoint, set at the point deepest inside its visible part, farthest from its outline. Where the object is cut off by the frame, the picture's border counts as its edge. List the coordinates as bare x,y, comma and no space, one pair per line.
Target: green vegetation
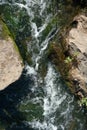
83,102
72,60
68,60
18,23
32,111
5,32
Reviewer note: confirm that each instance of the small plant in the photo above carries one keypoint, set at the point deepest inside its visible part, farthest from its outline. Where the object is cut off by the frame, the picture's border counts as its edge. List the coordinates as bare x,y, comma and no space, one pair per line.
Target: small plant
83,102
76,54
68,60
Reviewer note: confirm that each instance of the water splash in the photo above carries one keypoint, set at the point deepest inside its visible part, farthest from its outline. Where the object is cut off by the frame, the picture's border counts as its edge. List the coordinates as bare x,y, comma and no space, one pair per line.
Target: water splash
52,101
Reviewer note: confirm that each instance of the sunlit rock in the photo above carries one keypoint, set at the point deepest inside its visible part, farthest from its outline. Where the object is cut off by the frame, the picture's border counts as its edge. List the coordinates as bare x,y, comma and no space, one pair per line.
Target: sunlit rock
10,60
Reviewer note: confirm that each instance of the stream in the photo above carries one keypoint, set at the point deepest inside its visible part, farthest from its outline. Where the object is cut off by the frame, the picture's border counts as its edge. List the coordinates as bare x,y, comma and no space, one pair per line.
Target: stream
37,102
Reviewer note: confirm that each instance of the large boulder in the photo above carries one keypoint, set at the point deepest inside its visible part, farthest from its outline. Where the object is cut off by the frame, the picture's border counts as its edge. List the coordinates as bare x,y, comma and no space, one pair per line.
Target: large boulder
11,64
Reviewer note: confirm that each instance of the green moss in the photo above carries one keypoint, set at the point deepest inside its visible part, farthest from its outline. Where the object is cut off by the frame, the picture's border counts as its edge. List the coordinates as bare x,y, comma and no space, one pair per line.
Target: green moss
32,111
29,59
19,26
56,55
4,34
43,68
22,46
83,102
9,19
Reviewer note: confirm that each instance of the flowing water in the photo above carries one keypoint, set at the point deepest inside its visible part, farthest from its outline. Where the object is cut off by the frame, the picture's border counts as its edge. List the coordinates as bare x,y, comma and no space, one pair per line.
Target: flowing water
49,106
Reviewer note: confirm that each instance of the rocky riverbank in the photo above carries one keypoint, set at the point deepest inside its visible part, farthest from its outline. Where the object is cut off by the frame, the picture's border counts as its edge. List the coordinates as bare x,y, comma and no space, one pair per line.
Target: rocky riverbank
69,55
10,60
77,47
68,48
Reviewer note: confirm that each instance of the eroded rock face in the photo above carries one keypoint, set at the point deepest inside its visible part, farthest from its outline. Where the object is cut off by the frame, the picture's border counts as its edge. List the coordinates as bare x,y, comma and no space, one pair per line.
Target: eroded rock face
70,56
77,41
10,61
78,35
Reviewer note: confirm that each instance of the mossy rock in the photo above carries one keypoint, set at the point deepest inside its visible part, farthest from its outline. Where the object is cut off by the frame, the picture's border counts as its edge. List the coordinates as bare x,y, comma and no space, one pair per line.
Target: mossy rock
4,32
32,111
18,23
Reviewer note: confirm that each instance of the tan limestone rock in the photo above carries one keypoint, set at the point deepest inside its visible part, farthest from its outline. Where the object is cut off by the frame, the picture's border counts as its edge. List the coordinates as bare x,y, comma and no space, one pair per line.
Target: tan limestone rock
10,61
77,42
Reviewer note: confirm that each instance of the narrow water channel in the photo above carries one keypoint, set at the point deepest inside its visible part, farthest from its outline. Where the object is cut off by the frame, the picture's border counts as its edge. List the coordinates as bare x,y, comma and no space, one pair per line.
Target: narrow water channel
37,102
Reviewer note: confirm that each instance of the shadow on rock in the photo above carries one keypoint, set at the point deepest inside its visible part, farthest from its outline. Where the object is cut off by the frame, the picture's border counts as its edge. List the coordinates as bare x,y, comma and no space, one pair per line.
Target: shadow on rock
9,99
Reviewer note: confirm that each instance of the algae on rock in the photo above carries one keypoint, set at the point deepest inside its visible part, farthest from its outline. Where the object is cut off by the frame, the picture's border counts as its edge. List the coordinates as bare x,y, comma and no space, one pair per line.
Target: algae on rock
19,26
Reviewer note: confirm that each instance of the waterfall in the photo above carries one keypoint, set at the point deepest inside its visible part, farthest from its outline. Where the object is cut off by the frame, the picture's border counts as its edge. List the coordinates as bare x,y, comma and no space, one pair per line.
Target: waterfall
50,106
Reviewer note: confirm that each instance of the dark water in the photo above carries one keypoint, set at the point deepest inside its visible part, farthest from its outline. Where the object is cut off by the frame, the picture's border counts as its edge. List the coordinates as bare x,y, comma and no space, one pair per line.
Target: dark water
34,101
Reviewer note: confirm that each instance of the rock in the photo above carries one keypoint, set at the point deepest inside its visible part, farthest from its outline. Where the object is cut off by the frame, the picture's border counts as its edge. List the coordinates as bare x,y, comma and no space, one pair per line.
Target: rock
77,43
78,35
10,60
70,55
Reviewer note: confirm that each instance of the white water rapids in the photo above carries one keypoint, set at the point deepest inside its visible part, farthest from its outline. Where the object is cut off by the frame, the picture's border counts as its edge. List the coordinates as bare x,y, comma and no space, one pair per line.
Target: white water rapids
52,101
56,104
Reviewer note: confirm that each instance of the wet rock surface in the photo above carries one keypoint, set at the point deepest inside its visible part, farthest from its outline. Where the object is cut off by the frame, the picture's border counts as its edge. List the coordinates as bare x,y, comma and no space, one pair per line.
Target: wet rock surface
10,61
